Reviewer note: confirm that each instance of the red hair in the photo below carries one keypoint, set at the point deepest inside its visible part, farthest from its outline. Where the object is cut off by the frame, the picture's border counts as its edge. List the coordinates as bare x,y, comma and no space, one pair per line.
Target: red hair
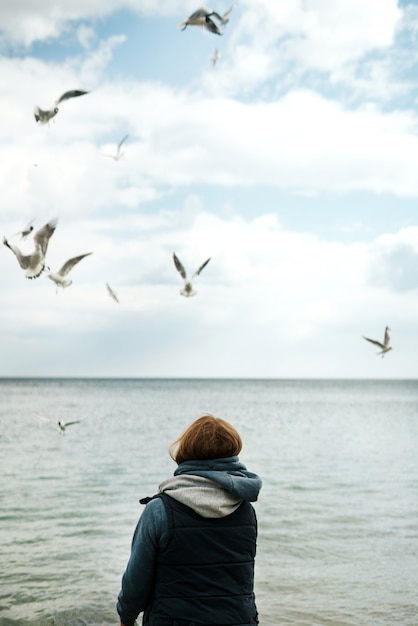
208,437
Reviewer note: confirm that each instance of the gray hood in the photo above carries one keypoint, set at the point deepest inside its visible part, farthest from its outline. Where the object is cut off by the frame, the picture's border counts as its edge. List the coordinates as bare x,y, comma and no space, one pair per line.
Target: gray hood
204,496
212,488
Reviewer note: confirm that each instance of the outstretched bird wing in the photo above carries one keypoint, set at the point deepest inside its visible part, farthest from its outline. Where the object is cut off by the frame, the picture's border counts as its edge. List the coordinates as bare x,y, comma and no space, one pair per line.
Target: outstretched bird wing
23,259
179,266
376,343
387,337
68,265
112,293
73,93
197,272
122,141
225,16
43,235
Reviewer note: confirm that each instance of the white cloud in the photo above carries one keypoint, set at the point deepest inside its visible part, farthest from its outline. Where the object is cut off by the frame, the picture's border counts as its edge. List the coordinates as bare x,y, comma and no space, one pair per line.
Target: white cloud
286,290
98,59
263,41
86,36
25,22
301,142
272,300
334,33
287,41
395,260
410,19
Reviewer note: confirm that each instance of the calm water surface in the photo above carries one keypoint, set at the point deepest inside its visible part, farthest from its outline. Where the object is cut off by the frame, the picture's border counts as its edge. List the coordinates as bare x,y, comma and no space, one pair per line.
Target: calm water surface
338,512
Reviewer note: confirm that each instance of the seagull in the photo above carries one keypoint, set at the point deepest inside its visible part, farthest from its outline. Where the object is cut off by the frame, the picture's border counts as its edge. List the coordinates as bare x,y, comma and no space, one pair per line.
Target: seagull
215,57
59,277
118,154
63,425
202,17
188,288
34,263
383,346
112,293
43,116
26,231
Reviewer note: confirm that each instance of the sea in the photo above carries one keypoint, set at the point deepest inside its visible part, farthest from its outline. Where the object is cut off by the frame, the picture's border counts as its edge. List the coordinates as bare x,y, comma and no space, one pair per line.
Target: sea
337,513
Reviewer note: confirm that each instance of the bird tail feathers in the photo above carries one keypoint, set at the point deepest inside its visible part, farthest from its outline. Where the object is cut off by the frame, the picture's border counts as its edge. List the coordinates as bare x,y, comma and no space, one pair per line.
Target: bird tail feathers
34,272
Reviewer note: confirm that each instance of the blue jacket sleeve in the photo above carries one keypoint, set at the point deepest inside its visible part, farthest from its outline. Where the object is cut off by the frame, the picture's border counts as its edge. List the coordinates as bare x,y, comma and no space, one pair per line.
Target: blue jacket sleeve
150,536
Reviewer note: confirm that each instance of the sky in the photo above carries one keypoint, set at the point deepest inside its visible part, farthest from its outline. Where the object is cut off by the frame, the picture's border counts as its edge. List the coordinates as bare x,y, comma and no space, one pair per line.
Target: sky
292,163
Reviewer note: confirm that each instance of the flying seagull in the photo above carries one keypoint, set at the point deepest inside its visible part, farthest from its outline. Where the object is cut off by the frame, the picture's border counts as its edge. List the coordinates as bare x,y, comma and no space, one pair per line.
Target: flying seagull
34,263
59,277
43,116
112,293
118,154
63,425
187,291
215,57
26,231
384,347
202,17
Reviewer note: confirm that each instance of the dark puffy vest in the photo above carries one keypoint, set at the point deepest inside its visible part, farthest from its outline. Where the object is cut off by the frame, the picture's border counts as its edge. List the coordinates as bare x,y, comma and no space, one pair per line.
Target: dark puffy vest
206,574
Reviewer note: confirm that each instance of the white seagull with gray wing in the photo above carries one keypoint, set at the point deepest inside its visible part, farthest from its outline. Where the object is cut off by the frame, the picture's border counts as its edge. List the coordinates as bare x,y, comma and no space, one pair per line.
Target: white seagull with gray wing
188,290
215,57
63,425
26,231
384,347
59,277
118,154
34,263
43,116
203,17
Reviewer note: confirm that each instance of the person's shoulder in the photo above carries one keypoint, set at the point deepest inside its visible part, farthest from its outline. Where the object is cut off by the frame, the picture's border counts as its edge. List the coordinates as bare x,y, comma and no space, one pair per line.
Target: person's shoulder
154,520
155,509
